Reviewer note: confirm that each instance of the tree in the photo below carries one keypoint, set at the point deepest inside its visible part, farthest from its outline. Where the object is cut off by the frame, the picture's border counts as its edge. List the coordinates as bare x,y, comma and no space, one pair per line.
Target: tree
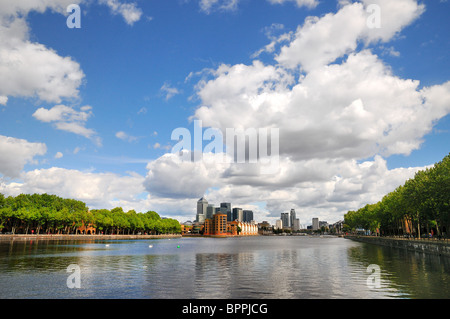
421,204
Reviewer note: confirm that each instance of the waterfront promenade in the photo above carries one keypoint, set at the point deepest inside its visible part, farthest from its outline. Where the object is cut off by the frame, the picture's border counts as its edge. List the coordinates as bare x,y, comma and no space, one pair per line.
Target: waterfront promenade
84,237
424,245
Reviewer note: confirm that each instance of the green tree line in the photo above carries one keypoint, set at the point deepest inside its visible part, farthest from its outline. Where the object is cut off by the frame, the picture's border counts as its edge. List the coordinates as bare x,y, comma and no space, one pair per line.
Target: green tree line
419,207
43,213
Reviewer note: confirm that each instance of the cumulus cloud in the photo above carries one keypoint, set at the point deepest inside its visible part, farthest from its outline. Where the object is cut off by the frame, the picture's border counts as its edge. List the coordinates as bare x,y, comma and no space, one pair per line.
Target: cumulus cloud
3,100
67,119
16,153
327,187
129,11
59,155
30,69
172,177
98,190
322,40
356,109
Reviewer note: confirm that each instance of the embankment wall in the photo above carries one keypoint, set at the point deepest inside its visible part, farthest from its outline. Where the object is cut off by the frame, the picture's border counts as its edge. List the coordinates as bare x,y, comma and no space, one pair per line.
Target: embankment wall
436,247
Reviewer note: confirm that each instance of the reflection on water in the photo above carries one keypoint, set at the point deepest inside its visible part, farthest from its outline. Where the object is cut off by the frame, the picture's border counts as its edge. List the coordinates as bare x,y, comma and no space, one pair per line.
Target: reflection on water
407,274
233,268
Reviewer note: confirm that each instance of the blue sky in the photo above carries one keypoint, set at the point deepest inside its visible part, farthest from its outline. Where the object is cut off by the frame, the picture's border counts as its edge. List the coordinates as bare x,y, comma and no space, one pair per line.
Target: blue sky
143,78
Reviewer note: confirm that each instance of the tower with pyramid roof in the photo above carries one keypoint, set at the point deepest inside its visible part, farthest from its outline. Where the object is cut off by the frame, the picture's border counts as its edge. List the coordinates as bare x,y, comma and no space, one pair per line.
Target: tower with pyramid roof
202,206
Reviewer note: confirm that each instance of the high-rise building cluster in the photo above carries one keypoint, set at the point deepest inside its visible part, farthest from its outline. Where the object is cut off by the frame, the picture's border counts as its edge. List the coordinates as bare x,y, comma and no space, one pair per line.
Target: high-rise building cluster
225,221
288,220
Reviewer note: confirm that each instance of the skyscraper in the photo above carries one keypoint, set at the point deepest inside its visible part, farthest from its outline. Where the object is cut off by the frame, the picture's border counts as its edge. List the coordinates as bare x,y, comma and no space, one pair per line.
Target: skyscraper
248,216
238,214
285,219
315,223
202,206
225,208
295,222
292,217
210,211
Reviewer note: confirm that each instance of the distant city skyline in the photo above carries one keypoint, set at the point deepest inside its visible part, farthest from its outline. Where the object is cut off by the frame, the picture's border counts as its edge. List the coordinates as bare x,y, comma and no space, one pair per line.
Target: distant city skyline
205,210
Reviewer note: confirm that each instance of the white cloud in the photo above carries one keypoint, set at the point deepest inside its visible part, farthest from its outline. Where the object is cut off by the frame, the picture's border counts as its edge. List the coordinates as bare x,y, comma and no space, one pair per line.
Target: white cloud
356,109
300,3
77,150
125,137
3,100
62,113
16,153
212,5
67,119
320,41
31,69
143,110
169,91
59,155
171,177
23,7
326,187
129,11
209,6
98,190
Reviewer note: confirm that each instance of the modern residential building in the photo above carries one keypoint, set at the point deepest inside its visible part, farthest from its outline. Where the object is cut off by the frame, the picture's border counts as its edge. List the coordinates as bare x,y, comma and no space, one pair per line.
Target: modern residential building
285,218
315,223
322,224
216,226
337,227
296,225
279,224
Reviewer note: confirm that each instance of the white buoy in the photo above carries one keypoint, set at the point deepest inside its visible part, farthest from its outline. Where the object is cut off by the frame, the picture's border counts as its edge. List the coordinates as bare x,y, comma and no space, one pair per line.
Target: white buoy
107,245
151,246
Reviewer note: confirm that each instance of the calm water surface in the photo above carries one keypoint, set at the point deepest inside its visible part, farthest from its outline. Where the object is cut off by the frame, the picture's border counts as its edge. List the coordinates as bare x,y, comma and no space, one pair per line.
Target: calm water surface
232,268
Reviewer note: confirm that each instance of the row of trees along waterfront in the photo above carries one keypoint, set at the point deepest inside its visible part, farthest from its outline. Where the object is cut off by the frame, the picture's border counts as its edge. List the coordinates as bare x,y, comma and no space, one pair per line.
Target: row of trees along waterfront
418,208
45,213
